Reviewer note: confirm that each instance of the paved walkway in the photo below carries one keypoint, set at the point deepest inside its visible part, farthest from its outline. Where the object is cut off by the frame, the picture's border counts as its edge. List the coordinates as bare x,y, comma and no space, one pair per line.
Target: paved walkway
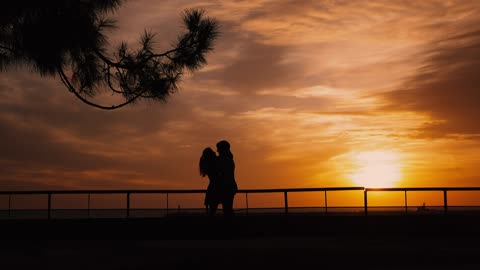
254,243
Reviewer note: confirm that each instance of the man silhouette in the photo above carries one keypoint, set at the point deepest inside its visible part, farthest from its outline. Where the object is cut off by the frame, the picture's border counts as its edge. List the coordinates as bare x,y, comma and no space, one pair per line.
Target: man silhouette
226,177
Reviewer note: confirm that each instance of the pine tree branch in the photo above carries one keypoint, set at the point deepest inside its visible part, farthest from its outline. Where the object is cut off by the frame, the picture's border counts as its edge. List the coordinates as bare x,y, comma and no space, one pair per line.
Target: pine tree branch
109,81
110,62
72,89
165,53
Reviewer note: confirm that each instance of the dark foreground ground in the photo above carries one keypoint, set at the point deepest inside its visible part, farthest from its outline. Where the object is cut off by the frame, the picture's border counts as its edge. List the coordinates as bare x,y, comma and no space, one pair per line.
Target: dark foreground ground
247,242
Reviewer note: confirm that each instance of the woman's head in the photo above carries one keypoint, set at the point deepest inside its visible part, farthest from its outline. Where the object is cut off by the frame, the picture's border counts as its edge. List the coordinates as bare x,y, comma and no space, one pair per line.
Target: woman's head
207,160
223,149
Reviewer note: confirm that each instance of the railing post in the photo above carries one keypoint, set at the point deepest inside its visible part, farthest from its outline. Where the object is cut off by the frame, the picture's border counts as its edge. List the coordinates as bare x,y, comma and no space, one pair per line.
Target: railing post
246,202
406,208
326,205
49,205
445,204
285,197
88,205
128,204
365,202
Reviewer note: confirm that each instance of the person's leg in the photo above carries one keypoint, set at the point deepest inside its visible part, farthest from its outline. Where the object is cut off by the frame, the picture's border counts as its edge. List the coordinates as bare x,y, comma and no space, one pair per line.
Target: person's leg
213,209
206,202
228,205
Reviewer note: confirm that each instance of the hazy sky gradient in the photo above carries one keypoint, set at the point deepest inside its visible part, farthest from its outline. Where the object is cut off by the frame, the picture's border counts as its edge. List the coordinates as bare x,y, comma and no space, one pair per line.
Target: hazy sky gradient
297,87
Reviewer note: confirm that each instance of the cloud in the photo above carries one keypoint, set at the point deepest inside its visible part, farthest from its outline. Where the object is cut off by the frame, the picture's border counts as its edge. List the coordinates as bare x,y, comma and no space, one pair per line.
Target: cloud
446,87
45,129
291,84
306,22
358,45
256,68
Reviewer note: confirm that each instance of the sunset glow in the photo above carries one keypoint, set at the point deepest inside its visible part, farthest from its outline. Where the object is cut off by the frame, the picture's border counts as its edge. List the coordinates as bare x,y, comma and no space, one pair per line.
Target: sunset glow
376,169
308,93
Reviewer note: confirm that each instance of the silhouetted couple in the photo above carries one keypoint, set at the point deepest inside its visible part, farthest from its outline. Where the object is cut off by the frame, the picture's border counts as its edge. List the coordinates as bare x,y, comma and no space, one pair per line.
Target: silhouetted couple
220,170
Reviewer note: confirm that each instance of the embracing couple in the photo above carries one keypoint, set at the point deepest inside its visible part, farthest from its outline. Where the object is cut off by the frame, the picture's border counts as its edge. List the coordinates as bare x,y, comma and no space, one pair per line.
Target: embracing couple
220,170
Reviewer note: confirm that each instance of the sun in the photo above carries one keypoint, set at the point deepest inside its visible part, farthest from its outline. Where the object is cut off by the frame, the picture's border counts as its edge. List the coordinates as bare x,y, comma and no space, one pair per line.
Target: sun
376,168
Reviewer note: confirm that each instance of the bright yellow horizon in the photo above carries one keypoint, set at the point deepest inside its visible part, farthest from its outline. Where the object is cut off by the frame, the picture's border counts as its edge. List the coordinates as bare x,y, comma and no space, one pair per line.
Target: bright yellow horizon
381,168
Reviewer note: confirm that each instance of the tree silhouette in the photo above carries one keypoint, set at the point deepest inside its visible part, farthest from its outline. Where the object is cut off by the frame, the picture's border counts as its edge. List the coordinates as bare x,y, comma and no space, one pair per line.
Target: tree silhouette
66,38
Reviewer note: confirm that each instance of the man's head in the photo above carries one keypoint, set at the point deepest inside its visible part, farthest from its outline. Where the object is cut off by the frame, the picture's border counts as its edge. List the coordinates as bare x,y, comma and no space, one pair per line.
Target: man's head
223,147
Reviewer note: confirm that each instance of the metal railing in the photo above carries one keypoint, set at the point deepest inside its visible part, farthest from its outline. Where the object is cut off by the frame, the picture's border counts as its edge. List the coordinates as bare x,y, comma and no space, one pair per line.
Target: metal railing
444,190
285,192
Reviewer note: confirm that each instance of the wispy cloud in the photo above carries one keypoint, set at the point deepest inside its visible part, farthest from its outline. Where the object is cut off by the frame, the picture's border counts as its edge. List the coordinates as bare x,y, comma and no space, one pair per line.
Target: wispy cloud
446,87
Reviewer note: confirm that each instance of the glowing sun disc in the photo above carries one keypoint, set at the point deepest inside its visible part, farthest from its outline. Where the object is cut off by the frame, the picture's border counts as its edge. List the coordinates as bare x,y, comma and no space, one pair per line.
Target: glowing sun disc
376,169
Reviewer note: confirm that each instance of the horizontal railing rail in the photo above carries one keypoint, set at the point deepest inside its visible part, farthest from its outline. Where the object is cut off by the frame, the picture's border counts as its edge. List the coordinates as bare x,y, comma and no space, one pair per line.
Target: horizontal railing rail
164,191
284,191
425,189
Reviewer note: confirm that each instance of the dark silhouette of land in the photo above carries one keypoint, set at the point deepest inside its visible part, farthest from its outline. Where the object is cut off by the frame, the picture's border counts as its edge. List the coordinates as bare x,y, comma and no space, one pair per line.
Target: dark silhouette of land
261,241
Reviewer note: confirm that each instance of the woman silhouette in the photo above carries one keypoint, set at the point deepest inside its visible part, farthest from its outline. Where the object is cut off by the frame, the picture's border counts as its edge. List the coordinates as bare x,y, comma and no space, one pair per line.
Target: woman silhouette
208,167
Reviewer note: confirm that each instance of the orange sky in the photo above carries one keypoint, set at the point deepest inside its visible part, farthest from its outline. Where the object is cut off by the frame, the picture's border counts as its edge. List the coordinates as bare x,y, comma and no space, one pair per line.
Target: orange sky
301,89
